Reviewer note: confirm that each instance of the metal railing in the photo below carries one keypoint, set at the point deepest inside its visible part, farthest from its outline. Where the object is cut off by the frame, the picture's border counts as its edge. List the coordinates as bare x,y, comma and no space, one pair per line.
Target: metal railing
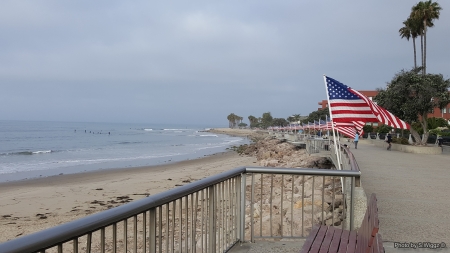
285,203
209,215
316,145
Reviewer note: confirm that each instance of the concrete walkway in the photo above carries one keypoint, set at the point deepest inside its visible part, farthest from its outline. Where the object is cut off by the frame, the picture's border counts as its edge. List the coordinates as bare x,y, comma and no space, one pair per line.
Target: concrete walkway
413,192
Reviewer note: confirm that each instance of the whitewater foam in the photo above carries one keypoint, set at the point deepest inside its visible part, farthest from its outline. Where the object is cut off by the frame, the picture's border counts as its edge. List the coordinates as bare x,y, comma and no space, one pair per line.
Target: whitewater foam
42,152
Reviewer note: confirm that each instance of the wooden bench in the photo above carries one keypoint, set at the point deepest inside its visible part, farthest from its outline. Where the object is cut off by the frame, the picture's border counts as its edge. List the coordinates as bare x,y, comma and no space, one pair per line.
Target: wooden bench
330,239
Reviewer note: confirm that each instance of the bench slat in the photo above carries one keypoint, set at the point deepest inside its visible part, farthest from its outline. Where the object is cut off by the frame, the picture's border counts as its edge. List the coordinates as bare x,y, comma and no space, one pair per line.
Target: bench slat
374,216
351,247
327,241
378,245
336,239
319,239
344,241
374,222
309,241
369,227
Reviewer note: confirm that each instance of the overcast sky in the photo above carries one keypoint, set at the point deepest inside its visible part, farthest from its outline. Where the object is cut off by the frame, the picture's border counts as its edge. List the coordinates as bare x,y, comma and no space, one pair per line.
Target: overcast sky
195,62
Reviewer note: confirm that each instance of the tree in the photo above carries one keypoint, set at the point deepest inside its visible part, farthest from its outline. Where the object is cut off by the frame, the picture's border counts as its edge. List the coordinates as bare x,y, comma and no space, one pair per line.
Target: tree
411,96
266,120
433,123
412,29
279,122
253,121
296,117
290,119
317,115
230,119
242,125
233,120
384,129
426,11
368,128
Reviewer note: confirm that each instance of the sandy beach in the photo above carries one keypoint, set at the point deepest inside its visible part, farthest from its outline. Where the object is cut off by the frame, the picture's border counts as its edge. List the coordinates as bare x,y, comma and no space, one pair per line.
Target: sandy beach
240,132
32,205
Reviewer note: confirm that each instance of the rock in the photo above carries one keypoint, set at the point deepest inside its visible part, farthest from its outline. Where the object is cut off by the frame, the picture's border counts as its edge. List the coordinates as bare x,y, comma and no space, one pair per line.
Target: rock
256,210
272,163
318,217
290,206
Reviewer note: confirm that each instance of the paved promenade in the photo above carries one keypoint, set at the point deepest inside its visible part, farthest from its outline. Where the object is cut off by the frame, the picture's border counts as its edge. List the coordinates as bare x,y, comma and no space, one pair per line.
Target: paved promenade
413,193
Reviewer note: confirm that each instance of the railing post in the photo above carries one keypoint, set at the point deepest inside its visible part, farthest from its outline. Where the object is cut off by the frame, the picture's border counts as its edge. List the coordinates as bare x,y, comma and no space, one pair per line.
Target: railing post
242,208
212,219
352,205
251,206
237,204
152,231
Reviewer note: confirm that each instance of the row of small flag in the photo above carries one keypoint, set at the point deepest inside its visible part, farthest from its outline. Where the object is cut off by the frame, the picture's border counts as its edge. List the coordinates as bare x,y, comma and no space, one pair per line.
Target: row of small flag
348,129
318,125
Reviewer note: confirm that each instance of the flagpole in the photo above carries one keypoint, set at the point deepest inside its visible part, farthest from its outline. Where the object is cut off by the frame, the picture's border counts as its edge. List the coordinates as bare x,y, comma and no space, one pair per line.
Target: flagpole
332,126
326,122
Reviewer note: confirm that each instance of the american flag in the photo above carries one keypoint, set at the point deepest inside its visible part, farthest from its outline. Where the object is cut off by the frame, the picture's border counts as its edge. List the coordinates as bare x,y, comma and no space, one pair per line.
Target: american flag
349,105
349,128
322,125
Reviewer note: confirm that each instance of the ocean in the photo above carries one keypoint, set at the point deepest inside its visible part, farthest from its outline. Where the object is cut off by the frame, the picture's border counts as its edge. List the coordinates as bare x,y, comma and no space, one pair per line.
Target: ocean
40,149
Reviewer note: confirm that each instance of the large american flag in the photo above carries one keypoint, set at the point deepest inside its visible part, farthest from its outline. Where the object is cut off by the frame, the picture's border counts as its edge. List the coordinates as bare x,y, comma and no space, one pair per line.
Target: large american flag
349,105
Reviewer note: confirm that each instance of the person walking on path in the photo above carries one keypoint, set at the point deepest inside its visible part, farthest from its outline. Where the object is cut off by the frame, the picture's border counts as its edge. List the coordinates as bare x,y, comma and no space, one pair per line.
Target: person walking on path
356,140
389,140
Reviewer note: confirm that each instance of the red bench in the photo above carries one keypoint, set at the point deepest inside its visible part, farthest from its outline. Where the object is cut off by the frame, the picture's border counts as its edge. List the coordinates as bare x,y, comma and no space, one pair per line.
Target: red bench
330,239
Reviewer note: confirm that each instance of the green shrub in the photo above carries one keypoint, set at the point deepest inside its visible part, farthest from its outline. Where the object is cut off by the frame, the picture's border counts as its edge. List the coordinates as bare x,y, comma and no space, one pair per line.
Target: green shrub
239,149
400,140
384,129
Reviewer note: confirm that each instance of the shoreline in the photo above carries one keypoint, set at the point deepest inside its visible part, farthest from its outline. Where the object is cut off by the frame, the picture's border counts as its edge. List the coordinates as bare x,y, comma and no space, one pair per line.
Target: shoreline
86,175
249,133
31,205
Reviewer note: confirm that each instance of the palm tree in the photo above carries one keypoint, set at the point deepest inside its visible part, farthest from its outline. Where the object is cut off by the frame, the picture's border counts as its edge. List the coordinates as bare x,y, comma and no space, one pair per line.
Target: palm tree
426,11
412,29
233,120
253,120
230,119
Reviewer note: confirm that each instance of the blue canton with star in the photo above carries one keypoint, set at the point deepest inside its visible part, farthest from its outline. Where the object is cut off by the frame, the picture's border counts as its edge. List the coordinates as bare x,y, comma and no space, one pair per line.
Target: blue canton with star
337,90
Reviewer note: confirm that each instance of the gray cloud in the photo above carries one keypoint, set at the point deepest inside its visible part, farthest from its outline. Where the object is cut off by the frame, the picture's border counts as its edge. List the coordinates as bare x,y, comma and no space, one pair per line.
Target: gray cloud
196,62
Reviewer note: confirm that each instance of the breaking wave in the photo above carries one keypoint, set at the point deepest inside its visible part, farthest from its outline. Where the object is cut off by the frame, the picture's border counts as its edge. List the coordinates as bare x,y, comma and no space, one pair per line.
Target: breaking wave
28,152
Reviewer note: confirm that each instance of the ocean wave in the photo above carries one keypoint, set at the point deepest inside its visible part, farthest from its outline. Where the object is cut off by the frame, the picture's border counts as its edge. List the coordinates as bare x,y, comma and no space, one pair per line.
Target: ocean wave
208,135
42,152
210,146
45,165
175,129
129,142
28,152
148,129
